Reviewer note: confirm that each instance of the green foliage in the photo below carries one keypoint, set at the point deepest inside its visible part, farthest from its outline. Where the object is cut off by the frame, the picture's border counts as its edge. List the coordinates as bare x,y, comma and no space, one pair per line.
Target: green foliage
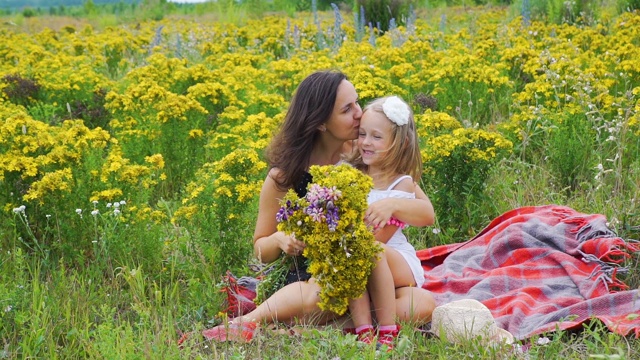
570,152
28,12
89,7
457,188
562,12
628,5
220,201
380,13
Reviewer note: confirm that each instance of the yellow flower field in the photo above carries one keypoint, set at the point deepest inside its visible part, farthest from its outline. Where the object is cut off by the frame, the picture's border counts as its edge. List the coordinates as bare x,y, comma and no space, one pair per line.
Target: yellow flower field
145,113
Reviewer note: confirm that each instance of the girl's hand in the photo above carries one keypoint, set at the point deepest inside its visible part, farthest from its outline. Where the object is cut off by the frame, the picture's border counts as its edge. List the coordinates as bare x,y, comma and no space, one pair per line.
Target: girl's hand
290,245
378,214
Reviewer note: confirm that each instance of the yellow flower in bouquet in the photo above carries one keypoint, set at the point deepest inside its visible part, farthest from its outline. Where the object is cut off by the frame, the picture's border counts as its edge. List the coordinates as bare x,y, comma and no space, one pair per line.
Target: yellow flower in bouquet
340,249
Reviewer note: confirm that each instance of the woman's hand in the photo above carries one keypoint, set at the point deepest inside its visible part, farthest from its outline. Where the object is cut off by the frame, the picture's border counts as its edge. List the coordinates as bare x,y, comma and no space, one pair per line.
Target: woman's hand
289,244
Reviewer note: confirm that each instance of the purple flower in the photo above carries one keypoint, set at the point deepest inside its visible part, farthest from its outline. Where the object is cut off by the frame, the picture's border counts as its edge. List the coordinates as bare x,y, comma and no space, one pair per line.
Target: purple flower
286,211
316,213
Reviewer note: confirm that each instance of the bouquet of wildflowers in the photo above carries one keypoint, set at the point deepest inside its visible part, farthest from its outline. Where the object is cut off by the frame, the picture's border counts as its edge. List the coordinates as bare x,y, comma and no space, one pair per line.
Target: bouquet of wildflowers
330,220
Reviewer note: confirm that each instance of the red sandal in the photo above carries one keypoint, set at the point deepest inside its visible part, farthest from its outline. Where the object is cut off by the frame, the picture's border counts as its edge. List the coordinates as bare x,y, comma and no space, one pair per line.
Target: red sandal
366,335
388,337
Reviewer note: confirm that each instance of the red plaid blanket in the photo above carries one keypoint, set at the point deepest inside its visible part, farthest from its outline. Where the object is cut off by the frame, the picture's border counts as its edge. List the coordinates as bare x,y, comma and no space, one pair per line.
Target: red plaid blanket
539,269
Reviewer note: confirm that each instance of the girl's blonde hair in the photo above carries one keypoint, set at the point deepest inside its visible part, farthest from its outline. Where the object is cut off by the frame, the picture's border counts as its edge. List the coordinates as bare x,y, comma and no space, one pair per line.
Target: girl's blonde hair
403,155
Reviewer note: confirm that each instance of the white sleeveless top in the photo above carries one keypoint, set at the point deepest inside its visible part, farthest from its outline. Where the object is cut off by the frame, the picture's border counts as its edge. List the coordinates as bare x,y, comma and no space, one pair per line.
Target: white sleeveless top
398,240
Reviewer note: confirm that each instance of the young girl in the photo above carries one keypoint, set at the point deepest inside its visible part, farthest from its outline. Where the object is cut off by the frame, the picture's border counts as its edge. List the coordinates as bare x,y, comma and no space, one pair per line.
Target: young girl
389,152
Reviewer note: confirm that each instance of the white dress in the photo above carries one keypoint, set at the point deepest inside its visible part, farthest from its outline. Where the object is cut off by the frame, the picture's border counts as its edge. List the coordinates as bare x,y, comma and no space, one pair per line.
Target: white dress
399,241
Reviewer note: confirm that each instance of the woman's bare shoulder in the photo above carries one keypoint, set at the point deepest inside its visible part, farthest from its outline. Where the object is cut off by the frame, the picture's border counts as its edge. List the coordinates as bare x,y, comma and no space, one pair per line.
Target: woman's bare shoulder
274,173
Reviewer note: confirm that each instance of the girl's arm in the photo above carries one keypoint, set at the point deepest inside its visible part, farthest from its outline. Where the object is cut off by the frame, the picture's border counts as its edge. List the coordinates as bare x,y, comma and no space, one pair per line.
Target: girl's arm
414,212
383,235
268,242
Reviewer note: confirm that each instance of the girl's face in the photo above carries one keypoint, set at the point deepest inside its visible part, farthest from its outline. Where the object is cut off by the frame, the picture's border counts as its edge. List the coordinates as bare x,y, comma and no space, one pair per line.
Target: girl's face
345,118
374,137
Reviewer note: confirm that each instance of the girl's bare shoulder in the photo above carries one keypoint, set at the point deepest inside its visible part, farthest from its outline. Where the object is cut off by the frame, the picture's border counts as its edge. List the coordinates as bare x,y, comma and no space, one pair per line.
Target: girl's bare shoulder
407,184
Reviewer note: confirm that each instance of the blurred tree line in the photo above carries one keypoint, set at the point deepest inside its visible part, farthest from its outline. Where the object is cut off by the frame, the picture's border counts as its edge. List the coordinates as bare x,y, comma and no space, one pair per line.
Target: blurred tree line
46,4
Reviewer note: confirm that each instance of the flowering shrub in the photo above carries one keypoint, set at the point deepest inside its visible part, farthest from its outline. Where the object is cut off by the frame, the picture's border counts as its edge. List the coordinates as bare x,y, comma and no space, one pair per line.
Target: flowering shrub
217,202
457,163
330,220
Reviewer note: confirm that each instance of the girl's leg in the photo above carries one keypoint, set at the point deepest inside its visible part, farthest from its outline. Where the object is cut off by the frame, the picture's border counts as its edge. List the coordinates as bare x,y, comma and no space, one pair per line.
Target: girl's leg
401,275
413,304
400,270
381,289
360,310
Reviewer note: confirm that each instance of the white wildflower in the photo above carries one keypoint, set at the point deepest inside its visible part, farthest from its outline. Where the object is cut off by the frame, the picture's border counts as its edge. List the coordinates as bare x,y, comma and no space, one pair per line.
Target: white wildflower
19,209
543,340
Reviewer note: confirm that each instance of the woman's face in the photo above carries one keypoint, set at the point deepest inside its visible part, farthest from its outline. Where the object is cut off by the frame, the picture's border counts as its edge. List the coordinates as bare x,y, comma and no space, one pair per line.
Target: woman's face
345,118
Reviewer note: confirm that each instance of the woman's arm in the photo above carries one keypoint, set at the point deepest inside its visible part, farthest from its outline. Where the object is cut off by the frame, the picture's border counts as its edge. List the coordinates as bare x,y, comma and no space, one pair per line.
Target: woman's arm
268,242
414,212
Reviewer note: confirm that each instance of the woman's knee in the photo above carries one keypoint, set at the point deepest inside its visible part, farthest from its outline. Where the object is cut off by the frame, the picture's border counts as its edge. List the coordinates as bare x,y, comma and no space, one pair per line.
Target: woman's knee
414,304
310,296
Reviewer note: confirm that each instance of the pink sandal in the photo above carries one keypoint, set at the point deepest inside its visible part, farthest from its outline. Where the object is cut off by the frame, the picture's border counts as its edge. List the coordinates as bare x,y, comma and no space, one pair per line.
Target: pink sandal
242,332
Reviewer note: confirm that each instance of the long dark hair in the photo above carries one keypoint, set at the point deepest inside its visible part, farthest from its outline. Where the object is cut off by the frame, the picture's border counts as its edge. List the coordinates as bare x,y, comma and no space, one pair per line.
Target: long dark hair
311,106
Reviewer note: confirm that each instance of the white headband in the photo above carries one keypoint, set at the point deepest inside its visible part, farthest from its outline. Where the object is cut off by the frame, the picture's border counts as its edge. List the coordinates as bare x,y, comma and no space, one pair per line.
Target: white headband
396,110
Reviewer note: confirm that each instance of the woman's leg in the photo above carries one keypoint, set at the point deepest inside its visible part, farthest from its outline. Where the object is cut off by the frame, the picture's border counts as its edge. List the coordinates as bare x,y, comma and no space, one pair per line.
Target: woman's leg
414,305
294,303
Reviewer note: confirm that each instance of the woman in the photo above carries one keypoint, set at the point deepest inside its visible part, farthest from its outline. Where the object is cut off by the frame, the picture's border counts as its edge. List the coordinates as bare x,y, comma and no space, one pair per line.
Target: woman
321,123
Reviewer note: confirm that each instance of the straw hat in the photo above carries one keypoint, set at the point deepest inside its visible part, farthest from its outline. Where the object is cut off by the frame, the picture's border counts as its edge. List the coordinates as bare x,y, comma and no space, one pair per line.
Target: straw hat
467,319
